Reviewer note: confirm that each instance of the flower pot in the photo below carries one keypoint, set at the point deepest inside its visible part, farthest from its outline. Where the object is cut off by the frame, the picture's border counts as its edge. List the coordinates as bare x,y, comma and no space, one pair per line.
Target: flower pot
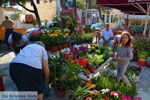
142,62
64,45
61,94
48,48
59,47
92,69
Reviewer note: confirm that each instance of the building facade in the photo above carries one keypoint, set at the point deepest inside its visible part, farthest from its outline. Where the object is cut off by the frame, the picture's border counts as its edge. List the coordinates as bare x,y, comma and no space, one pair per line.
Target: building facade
46,8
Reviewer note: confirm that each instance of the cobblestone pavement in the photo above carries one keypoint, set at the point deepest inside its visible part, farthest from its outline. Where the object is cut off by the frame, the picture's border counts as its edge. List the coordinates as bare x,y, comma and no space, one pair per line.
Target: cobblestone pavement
143,83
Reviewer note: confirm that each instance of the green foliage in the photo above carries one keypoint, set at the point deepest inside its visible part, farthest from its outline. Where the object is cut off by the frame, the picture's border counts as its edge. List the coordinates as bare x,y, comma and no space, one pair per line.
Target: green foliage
131,91
87,38
76,38
105,82
80,93
142,44
70,74
88,29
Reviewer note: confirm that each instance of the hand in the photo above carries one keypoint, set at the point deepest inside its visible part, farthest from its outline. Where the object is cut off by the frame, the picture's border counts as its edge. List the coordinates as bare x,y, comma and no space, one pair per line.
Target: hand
118,58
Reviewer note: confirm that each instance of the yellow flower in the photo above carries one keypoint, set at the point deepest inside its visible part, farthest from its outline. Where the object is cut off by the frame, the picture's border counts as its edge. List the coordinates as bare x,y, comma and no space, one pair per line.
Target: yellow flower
66,34
58,31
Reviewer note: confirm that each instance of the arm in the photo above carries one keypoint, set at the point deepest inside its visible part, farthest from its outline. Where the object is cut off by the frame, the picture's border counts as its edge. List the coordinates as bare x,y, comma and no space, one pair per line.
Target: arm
45,65
46,69
116,57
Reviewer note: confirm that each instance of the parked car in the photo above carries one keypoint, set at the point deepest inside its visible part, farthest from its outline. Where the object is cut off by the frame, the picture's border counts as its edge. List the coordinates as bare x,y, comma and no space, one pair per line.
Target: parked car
29,18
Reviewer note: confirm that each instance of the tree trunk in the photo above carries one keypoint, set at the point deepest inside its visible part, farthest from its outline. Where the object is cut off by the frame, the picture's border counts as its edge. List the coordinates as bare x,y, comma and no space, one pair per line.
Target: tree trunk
100,15
35,11
38,19
90,4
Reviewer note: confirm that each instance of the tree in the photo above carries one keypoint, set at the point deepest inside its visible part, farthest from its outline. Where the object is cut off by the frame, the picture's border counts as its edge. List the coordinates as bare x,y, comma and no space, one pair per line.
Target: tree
21,3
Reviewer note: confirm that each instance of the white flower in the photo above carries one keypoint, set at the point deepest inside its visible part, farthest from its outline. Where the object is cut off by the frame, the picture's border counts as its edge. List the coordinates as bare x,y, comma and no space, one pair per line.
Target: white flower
104,91
116,95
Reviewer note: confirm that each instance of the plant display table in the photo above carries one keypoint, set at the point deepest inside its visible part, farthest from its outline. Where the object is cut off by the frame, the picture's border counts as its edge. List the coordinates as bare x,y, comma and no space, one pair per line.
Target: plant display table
97,72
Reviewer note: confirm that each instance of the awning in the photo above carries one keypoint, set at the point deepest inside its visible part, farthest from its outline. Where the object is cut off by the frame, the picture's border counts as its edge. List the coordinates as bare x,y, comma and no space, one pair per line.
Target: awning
129,6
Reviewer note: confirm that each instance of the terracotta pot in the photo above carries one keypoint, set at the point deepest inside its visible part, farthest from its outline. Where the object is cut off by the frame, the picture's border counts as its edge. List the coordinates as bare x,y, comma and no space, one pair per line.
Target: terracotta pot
61,94
53,49
48,48
92,69
64,45
69,45
59,47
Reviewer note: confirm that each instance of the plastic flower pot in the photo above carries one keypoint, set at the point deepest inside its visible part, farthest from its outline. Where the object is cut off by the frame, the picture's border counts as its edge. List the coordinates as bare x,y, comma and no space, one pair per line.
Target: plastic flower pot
61,94
142,62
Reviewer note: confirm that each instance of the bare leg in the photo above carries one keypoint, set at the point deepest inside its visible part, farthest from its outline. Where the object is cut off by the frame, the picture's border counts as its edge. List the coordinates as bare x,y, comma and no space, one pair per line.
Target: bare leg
40,96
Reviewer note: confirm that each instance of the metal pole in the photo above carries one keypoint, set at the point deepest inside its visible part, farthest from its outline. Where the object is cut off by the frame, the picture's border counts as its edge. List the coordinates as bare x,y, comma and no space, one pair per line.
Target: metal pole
75,7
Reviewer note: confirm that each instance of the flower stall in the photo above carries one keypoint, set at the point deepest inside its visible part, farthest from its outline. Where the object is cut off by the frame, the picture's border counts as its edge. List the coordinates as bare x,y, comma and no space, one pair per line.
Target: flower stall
66,66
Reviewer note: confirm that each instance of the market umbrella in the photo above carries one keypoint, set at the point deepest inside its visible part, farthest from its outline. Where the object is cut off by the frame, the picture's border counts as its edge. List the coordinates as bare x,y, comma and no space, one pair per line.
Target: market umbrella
129,6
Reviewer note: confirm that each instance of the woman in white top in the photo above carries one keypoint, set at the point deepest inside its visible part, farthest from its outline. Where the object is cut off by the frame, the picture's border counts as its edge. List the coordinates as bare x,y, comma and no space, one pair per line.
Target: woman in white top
17,41
29,68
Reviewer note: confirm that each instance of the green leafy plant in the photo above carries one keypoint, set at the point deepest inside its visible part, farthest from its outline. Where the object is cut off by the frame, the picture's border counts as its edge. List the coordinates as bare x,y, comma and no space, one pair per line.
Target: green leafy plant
141,44
80,93
70,74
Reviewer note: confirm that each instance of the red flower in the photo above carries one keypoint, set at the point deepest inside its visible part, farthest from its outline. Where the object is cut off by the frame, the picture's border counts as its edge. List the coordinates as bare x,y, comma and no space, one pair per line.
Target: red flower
106,98
74,60
63,19
88,98
82,62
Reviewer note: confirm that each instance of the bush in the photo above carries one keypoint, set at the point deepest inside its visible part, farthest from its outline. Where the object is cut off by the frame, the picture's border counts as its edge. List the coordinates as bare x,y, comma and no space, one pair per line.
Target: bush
141,44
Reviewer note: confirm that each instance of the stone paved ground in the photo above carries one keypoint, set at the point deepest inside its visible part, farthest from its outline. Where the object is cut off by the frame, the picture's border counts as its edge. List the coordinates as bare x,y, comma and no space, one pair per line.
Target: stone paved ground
5,57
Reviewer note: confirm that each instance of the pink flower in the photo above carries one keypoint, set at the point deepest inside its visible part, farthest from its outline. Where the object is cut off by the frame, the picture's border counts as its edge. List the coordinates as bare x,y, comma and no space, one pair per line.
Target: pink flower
124,97
137,98
88,98
115,93
34,32
95,92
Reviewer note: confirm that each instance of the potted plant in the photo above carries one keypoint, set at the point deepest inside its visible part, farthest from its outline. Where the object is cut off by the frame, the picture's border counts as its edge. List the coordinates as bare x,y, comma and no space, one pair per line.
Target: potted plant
142,57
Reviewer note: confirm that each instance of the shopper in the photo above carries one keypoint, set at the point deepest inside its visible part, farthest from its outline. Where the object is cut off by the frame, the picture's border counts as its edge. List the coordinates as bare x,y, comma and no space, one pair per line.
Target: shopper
29,69
17,41
106,36
9,27
123,56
